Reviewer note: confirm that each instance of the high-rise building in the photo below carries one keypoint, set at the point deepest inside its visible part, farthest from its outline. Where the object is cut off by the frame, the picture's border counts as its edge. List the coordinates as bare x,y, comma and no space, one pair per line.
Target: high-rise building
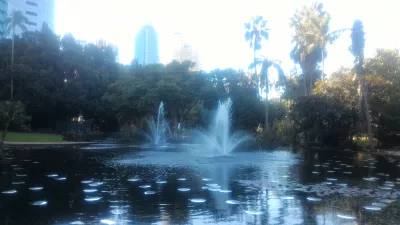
185,52
38,12
146,46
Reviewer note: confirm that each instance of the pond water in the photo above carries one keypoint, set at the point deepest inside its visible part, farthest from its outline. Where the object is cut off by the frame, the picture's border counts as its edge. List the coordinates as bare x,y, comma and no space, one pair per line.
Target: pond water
111,184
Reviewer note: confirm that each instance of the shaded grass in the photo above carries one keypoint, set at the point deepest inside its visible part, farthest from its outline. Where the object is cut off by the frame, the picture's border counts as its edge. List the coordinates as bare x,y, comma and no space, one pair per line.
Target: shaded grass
33,137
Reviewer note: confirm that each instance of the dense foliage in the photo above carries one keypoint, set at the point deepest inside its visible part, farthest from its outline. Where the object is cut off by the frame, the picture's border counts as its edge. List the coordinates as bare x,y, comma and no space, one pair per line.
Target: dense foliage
57,79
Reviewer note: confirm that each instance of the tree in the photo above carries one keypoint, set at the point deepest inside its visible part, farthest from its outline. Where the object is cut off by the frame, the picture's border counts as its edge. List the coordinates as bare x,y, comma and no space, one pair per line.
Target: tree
15,20
266,65
357,49
11,112
256,31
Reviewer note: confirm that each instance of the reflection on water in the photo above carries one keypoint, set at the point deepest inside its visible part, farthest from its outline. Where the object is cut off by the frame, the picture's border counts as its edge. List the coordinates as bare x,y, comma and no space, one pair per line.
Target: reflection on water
119,185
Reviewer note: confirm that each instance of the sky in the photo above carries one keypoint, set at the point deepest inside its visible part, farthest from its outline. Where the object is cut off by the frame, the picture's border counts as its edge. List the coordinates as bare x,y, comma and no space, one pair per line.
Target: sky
215,28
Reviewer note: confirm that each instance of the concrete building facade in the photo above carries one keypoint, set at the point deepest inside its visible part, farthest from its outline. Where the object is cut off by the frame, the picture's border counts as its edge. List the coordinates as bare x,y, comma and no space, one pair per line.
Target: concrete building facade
146,46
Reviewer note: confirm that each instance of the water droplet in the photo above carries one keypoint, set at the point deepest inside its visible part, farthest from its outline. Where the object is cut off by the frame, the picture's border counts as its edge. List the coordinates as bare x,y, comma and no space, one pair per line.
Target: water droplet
9,192
145,186
36,188
233,202
149,192
92,199
253,212
89,190
197,200
313,199
183,189
347,217
108,222
39,203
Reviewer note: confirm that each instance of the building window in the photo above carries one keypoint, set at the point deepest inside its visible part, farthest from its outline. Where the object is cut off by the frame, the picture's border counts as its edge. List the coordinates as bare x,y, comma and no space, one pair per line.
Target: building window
31,23
31,3
31,13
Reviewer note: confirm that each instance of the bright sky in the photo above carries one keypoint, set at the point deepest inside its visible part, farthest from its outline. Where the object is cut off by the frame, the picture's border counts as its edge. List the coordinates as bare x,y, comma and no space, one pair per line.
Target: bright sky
216,27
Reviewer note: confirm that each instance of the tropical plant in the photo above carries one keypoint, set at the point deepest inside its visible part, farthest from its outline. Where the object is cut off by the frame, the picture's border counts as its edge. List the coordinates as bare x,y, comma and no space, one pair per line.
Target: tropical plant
11,112
357,49
256,31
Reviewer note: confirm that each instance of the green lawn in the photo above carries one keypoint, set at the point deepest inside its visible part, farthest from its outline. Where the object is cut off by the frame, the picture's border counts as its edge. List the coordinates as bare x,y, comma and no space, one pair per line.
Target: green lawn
33,137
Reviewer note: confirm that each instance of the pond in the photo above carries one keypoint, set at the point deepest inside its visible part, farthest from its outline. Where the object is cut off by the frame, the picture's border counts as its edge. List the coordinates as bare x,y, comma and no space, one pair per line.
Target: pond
120,184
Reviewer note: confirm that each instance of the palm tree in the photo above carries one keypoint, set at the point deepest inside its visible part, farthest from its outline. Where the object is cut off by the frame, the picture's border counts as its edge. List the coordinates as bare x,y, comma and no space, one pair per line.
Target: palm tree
312,34
264,76
15,20
11,112
256,31
357,49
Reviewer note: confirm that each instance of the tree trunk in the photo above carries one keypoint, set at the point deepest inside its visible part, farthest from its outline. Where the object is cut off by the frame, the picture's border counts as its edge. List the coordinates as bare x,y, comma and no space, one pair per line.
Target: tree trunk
12,70
266,126
367,112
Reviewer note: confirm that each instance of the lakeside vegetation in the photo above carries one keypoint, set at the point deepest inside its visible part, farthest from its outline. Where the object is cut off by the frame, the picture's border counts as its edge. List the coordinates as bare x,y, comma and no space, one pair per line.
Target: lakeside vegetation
32,137
48,79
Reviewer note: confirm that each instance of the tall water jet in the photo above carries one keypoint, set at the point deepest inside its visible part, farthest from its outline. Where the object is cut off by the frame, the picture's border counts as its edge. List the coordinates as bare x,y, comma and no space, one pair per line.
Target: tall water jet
219,139
159,130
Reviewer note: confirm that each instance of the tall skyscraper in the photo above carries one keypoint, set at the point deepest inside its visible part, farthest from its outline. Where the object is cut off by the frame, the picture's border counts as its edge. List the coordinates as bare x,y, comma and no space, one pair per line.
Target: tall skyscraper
146,46
37,12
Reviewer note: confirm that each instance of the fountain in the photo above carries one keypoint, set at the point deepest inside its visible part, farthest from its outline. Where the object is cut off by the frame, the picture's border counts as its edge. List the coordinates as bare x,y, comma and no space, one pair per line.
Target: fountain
159,131
219,139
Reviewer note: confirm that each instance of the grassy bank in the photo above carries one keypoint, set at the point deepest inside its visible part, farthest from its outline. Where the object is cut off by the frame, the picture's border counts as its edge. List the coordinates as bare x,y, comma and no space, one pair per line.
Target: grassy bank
33,137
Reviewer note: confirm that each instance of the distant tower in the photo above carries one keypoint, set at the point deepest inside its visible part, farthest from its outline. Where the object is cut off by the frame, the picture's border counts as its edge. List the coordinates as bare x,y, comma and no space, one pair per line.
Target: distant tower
185,52
146,46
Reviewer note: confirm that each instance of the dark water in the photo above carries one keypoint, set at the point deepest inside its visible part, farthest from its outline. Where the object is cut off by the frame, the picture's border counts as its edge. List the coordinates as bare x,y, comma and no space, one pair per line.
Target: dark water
105,184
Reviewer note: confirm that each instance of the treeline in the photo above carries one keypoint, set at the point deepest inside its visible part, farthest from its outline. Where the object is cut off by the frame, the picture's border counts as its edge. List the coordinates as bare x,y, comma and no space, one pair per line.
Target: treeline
56,79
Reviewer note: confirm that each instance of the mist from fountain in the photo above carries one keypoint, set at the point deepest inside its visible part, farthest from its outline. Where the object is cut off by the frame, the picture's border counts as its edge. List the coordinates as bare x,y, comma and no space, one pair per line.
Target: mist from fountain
219,138
159,131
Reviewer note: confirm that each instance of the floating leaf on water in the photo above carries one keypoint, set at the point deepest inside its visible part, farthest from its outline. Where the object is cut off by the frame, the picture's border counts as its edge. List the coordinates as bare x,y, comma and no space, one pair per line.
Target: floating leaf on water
313,199
108,222
347,217
145,186
9,192
225,191
36,188
288,198
372,208
198,200
161,182
95,184
89,190
52,175
61,178
77,222
133,179
253,212
21,175
183,189
39,203
118,211
18,182
92,199
181,179
206,179
233,202
86,181
149,192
